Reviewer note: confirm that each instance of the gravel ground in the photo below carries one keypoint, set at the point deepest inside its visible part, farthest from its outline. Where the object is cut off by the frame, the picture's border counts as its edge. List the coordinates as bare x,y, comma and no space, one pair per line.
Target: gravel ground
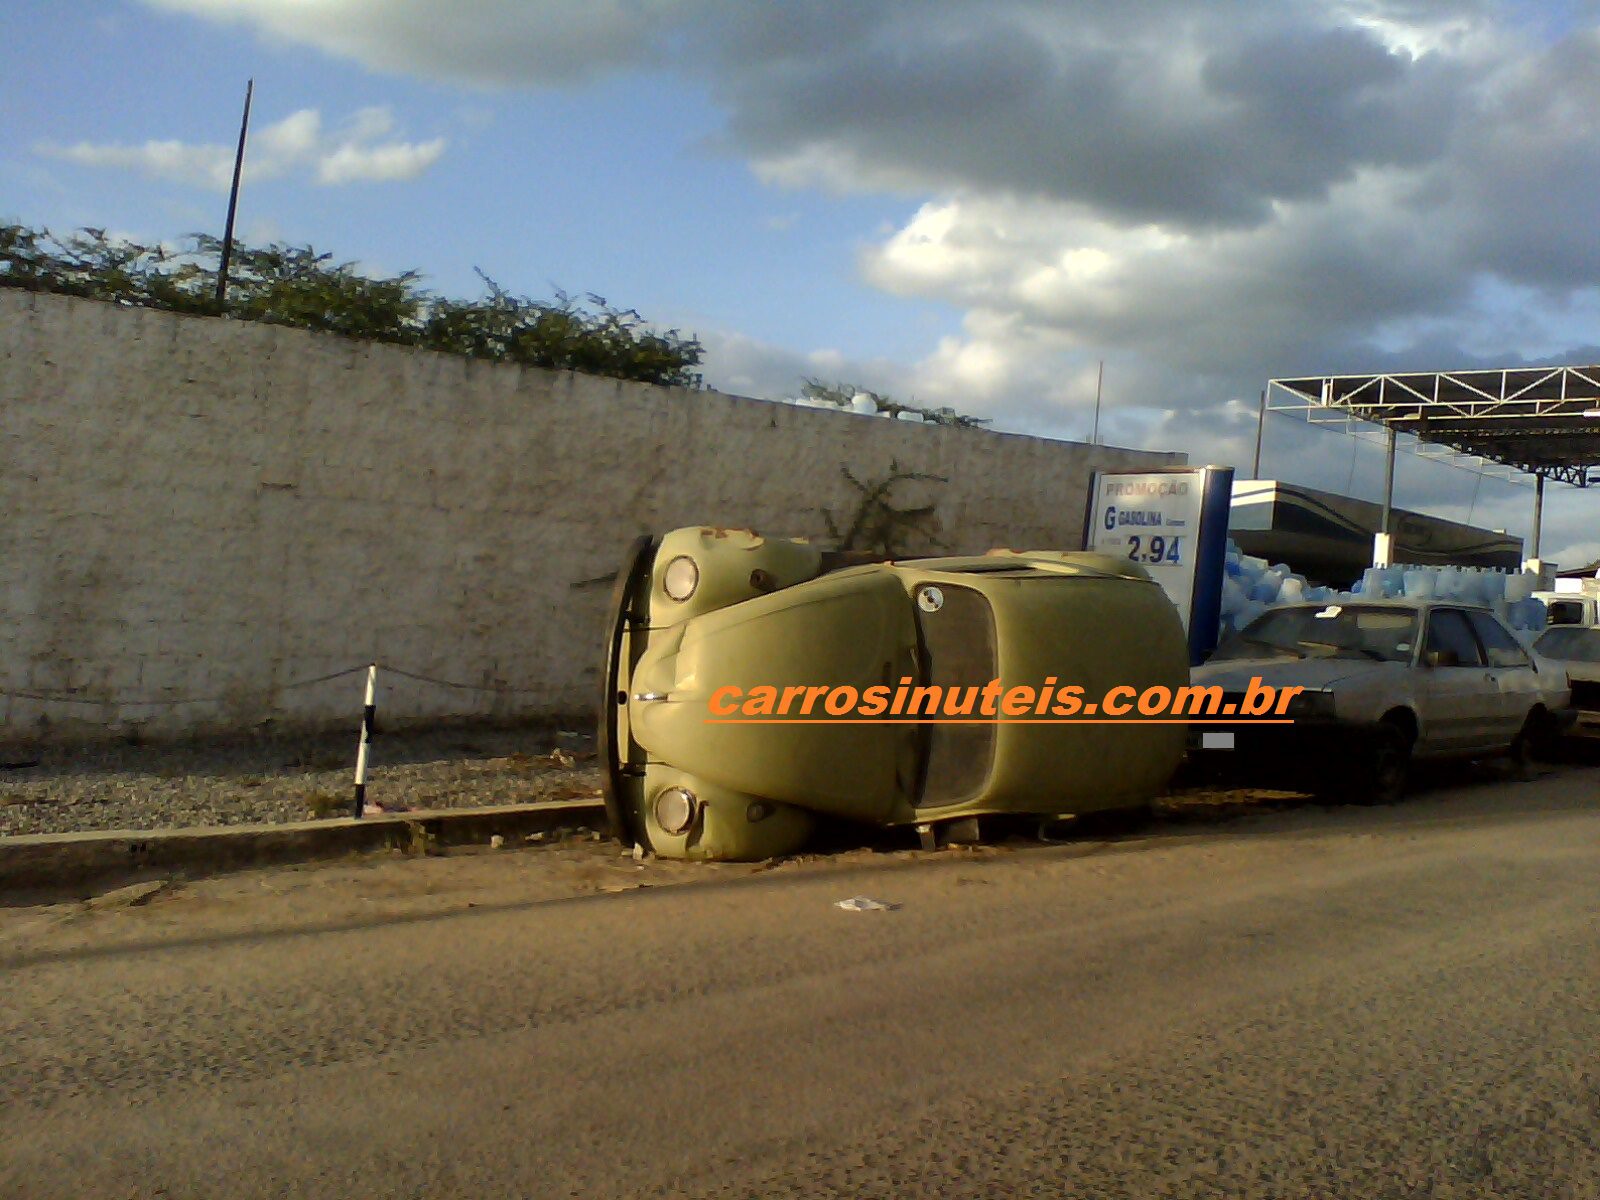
287,779
259,781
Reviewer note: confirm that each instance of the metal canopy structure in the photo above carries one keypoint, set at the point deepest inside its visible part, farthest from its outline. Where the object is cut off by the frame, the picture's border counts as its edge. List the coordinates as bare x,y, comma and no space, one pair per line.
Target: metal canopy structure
1540,421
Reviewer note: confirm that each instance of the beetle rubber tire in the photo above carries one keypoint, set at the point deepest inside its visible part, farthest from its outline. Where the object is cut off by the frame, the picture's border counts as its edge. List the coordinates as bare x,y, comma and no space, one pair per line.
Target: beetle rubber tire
623,592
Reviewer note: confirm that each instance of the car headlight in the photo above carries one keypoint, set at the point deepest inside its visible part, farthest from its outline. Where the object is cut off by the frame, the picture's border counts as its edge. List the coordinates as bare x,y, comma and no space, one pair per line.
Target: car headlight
680,578
675,809
1309,704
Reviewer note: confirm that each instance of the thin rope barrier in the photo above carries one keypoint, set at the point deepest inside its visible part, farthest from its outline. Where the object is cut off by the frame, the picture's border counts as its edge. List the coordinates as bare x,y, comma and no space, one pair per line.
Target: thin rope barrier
64,697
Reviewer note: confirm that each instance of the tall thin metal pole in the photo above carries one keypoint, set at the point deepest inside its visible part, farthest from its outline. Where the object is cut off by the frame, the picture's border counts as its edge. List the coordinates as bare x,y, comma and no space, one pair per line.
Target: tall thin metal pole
1261,424
233,199
1383,542
1388,484
1100,378
1538,511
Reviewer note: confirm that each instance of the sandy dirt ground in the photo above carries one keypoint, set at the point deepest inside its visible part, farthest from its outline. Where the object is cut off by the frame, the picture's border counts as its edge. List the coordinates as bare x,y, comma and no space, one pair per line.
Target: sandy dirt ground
1306,1002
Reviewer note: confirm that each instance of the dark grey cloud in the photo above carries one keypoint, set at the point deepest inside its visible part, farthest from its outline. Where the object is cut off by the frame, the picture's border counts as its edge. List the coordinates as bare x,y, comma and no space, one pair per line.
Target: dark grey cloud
1196,115
1205,126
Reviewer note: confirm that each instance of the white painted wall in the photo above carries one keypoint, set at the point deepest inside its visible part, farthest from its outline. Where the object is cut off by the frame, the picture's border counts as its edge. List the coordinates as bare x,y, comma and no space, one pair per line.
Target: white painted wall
199,508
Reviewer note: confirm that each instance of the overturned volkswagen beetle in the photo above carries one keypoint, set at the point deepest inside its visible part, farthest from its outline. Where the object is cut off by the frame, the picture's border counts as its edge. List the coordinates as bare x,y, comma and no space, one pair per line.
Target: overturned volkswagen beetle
754,685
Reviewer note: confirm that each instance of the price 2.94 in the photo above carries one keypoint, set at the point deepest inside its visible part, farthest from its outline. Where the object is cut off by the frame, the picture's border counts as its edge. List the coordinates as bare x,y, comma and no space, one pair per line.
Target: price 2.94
1160,549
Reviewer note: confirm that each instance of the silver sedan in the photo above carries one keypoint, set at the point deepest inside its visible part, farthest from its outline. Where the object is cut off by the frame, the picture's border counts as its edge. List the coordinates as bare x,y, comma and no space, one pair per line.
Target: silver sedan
1385,681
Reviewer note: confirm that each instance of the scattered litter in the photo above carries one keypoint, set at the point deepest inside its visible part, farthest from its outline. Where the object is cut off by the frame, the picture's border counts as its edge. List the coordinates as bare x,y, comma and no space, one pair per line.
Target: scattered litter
639,852
132,896
496,842
556,758
534,837
864,904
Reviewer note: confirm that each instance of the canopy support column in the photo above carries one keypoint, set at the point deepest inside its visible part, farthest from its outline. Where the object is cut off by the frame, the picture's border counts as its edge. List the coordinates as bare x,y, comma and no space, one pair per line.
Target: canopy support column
1383,544
1538,514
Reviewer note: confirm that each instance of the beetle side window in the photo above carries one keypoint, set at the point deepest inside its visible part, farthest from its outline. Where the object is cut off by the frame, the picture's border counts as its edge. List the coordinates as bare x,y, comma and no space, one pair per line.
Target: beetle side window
1499,643
1449,635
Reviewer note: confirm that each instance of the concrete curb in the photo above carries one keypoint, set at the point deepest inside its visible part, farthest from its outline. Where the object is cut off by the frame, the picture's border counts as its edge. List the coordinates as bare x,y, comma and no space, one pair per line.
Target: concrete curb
62,861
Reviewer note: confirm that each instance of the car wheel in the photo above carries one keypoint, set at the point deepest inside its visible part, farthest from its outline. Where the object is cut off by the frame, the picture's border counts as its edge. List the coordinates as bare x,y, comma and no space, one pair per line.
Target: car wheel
1382,777
1531,742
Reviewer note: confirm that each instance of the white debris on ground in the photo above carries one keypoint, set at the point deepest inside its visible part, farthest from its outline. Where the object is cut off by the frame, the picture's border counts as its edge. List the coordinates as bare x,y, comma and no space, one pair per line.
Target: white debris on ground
70,790
864,904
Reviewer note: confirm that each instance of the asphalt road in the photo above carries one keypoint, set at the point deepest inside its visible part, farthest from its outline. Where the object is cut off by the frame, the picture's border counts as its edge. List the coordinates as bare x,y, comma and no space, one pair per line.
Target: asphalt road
1342,1003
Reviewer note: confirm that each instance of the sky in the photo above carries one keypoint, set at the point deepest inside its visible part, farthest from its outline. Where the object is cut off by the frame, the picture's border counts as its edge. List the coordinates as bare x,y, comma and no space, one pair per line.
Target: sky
950,202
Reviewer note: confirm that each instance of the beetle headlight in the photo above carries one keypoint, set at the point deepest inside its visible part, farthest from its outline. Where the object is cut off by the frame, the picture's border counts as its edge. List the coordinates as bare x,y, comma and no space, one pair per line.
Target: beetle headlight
1310,704
675,809
680,578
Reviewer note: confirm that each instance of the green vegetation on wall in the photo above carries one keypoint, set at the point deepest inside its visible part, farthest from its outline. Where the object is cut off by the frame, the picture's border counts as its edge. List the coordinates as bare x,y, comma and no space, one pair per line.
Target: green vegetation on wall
297,286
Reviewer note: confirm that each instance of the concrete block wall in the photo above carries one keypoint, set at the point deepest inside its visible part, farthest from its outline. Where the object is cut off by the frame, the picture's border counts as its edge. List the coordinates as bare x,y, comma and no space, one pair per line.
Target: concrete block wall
197,513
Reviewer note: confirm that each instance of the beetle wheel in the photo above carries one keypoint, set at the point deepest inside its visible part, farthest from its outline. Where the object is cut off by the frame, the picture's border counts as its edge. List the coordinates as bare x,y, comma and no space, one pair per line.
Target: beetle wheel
611,755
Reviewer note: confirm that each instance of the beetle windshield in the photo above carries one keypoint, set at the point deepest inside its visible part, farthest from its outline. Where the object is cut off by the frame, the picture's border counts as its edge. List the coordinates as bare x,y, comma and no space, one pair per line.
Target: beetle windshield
1335,631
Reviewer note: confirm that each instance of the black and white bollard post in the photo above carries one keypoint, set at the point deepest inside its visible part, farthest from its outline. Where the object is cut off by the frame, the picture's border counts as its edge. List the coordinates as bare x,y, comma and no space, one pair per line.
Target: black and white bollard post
369,713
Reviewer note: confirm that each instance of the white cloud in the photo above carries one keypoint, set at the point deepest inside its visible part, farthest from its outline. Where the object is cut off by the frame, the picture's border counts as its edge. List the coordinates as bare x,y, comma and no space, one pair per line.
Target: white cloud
293,139
1203,195
297,145
1578,554
353,163
199,166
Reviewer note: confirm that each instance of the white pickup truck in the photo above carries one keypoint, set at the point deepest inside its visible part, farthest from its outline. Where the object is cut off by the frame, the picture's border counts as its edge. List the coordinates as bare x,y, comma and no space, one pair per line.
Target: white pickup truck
1578,604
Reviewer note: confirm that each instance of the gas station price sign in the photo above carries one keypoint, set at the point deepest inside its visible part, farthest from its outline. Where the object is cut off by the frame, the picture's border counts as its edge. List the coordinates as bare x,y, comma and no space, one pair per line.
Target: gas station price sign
1174,524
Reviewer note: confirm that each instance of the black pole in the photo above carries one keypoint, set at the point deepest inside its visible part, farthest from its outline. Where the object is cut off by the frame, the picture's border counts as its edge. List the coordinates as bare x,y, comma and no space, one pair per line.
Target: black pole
233,199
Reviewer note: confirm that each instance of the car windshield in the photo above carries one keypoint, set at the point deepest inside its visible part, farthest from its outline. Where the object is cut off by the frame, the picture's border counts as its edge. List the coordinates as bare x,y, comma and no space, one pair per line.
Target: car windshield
1334,631
1570,644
